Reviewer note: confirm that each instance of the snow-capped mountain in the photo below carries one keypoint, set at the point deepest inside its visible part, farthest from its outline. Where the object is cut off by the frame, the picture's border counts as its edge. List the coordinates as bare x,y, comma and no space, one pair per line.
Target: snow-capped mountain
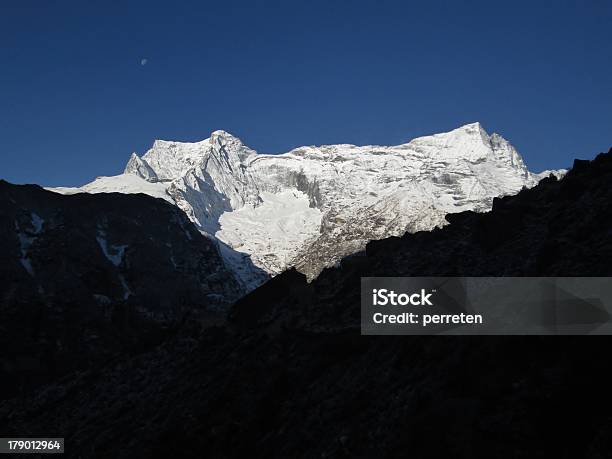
312,206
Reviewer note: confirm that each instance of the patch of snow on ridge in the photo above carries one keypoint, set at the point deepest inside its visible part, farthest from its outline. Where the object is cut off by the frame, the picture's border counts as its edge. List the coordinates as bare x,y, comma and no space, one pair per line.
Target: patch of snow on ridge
37,222
559,173
25,242
126,289
123,183
113,253
27,237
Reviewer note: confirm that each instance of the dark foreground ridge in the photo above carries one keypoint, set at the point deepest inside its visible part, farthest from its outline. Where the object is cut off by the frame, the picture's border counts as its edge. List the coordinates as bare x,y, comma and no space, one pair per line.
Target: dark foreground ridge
291,376
86,278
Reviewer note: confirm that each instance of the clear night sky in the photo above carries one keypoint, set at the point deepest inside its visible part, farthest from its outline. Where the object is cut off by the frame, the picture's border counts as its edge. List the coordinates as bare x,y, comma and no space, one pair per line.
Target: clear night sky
75,99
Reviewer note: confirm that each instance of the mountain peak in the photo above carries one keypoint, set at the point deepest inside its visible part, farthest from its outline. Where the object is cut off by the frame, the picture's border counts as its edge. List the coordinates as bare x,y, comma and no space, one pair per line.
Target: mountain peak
475,128
140,167
472,126
221,137
220,133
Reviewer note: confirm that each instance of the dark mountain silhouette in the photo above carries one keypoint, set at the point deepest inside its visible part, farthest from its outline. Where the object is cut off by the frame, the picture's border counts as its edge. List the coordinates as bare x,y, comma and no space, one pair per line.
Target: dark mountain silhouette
289,374
85,278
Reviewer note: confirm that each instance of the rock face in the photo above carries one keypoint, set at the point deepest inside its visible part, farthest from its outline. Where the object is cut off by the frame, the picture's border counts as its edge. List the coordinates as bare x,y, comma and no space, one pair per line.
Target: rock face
291,376
87,277
312,206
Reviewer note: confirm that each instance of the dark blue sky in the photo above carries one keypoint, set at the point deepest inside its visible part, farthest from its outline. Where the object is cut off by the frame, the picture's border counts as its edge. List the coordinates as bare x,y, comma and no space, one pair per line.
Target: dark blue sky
75,100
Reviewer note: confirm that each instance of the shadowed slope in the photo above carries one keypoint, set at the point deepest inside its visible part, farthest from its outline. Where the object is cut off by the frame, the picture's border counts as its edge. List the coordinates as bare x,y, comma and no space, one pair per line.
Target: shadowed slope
290,375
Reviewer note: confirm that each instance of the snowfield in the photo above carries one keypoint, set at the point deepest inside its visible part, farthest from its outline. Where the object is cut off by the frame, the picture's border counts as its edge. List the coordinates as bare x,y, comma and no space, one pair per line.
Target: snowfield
276,228
123,183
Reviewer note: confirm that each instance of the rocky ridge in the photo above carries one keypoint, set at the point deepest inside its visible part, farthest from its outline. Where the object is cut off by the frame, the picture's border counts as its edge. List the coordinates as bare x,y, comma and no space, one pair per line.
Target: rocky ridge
86,278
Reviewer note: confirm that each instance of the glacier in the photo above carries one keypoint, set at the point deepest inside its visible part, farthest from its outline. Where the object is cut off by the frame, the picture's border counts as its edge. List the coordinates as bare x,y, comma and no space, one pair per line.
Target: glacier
312,206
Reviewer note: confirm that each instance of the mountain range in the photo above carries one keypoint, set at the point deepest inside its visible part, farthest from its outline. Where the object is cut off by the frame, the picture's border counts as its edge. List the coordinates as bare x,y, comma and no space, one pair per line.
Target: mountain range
111,268
312,206
289,374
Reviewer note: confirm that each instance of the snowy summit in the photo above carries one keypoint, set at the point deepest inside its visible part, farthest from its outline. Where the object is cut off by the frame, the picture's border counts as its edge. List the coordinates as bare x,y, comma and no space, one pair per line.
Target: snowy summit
312,206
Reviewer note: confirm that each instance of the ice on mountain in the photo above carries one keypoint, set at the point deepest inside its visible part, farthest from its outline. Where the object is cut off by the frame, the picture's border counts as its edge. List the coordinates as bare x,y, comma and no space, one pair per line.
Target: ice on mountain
313,205
37,222
113,253
126,289
27,237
